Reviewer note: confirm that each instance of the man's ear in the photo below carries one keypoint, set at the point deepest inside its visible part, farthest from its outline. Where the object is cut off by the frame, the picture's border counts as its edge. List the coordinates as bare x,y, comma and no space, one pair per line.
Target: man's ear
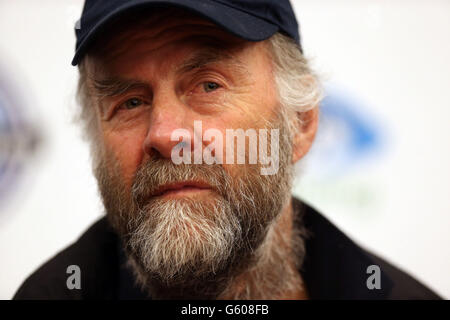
306,131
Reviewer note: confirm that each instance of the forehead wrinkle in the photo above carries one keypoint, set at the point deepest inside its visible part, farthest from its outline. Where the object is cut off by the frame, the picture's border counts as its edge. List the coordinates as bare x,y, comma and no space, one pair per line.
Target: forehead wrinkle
158,38
210,48
208,55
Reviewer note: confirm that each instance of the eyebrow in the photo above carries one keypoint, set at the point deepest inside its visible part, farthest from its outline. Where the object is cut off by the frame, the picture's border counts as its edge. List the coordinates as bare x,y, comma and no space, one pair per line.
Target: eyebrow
115,86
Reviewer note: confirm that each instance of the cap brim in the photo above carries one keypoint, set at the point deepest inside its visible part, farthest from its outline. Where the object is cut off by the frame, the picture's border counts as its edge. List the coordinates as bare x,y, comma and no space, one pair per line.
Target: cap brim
237,22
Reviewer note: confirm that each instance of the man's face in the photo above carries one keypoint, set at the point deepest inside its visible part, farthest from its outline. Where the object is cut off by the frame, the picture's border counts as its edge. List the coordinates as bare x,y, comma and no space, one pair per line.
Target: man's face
170,87
184,221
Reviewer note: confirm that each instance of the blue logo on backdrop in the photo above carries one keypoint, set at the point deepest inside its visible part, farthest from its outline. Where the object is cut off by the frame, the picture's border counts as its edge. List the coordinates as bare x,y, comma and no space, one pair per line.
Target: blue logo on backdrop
349,136
18,139
350,144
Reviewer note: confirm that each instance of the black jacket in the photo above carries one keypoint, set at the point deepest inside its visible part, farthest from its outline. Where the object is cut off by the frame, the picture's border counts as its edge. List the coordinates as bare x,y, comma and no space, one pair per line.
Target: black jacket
334,268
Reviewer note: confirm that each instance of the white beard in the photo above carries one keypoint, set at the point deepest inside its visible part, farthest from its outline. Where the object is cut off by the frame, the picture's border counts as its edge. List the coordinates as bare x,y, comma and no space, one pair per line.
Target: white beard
183,238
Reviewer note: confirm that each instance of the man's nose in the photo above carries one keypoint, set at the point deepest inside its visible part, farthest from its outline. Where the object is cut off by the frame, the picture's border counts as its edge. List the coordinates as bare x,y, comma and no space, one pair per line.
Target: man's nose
168,114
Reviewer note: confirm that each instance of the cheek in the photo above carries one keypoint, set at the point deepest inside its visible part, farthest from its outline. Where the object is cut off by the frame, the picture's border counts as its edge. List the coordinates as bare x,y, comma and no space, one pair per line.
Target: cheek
233,122
127,150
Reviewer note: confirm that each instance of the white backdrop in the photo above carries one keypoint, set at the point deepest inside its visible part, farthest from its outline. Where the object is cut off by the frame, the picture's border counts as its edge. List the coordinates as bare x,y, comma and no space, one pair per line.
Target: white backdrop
387,59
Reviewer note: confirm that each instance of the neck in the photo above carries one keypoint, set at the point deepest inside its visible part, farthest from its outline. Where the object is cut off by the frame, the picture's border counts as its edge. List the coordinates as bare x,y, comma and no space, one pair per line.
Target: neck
275,275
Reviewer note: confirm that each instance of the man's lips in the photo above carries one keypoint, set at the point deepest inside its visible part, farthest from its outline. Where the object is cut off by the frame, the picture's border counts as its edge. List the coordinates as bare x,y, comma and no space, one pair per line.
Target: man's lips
181,188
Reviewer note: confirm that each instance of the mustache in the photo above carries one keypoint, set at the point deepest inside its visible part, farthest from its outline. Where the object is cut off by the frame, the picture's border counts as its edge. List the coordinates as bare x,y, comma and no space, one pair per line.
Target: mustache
157,172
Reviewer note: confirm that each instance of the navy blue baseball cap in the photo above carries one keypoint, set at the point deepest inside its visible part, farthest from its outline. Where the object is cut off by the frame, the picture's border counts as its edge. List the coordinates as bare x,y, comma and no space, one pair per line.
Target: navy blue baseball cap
252,20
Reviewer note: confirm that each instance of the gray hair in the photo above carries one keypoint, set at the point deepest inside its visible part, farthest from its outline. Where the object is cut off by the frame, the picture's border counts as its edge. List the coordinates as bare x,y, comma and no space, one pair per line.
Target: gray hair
298,88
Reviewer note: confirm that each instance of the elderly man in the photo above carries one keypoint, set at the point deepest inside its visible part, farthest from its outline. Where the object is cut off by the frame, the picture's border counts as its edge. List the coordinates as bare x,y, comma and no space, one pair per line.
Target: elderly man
165,81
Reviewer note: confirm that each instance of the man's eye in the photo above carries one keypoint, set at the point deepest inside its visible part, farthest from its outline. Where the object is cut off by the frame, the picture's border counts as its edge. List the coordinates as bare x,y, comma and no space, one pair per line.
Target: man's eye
132,103
210,86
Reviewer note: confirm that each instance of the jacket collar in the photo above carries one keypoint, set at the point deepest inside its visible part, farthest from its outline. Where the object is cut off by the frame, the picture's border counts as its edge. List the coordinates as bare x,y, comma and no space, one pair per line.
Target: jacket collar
335,267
